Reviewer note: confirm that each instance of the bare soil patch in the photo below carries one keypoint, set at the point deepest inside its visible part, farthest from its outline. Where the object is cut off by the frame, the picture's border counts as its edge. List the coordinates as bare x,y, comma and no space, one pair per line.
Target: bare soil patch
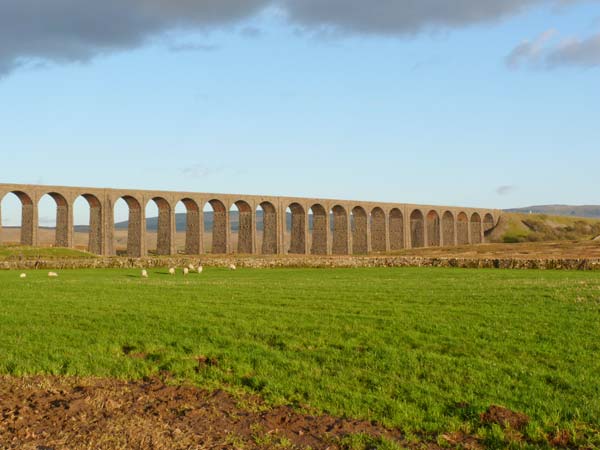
68,413
55,413
505,418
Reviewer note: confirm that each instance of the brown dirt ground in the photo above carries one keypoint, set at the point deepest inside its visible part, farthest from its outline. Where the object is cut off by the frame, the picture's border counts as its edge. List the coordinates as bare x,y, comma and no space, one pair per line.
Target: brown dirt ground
68,413
52,413
505,418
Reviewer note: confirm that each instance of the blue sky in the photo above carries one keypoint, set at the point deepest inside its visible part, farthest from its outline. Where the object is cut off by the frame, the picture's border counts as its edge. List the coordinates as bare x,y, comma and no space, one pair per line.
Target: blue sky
486,108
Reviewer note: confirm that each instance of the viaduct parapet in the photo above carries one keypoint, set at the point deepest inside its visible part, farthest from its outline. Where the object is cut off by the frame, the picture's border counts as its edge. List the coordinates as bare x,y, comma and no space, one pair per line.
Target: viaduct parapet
318,226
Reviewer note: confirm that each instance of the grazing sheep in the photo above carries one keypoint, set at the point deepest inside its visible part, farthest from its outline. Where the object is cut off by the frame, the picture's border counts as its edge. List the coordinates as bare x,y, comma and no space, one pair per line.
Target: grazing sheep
191,267
172,271
200,269
186,271
144,274
23,275
52,274
232,267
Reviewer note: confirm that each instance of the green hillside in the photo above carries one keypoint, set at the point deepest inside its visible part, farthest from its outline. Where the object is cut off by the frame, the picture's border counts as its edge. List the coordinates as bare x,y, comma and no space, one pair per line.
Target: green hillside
514,227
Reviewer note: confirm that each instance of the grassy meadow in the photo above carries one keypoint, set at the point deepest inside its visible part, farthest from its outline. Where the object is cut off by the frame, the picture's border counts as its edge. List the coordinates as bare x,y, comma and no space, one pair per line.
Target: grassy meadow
423,350
19,252
514,228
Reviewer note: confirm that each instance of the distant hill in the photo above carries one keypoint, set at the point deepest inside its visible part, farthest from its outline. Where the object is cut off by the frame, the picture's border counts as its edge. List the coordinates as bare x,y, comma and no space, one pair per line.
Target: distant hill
589,211
180,222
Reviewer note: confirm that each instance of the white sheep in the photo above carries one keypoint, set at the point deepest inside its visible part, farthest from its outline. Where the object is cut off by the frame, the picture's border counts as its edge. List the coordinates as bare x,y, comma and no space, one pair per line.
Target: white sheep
191,267
232,267
23,275
200,269
144,273
52,274
172,271
186,270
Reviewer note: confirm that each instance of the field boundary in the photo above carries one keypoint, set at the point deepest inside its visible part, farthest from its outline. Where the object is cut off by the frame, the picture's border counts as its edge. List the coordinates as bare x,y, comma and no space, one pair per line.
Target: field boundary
271,262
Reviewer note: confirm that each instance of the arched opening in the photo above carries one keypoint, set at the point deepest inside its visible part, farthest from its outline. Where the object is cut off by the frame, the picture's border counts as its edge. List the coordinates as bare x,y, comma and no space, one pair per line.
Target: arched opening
81,223
433,229
359,231
417,229
396,230
488,225
128,227
462,229
269,228
448,229
217,226
180,228
476,230
17,219
53,220
297,229
46,221
340,231
159,226
151,214
378,230
188,233
318,217
87,220
241,222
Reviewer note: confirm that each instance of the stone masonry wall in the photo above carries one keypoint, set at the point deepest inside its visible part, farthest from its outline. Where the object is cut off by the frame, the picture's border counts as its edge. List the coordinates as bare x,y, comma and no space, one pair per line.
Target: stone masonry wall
298,231
359,232
378,231
396,230
272,262
269,245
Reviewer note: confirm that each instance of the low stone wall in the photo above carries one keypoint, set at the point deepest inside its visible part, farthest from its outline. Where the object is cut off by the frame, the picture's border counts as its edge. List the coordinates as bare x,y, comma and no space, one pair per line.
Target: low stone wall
269,262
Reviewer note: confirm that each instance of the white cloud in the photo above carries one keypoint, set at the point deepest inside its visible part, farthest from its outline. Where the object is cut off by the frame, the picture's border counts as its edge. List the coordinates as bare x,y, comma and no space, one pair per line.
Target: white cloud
61,31
544,53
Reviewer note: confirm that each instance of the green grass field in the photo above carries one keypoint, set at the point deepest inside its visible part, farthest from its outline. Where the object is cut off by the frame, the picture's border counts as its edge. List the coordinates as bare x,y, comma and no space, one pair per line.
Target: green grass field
424,350
17,252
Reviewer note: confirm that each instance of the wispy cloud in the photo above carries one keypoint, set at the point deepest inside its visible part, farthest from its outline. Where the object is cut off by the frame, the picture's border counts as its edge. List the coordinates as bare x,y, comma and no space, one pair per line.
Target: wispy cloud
529,51
505,190
200,171
544,53
576,52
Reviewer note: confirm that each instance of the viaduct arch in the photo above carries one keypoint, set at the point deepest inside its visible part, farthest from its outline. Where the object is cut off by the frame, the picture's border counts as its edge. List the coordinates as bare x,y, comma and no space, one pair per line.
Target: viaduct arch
290,225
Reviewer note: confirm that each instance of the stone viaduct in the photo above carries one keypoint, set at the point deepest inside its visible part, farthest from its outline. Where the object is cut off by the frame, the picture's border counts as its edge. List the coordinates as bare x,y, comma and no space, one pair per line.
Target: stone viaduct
318,226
